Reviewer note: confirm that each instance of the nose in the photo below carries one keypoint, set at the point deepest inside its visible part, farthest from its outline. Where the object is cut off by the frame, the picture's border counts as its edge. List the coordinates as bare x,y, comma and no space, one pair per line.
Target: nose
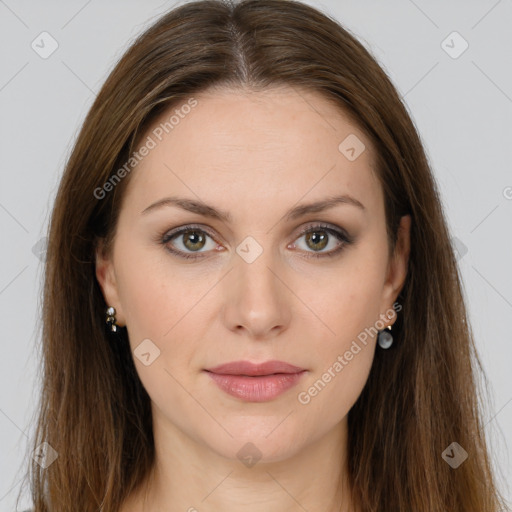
257,300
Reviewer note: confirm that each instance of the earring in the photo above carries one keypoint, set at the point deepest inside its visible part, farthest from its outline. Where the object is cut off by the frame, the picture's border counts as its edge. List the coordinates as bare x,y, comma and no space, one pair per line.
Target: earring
111,318
385,338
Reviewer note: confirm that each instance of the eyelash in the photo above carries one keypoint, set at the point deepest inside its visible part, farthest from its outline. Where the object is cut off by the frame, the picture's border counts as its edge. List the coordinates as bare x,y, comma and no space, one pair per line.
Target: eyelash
340,235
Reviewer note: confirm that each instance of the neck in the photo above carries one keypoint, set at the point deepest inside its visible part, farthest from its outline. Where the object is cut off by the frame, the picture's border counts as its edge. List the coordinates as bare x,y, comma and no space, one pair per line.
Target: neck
191,477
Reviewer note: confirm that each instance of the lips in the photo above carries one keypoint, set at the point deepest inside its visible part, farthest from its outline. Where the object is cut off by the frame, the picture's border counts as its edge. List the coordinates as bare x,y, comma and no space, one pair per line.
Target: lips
252,382
253,370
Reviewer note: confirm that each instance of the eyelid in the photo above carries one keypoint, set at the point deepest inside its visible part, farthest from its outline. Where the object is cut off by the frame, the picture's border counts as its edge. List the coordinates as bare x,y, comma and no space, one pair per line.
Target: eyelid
339,233
343,238
167,235
323,225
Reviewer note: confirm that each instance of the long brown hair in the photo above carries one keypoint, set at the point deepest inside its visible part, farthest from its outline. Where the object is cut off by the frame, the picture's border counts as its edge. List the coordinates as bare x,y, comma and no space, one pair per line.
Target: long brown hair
421,395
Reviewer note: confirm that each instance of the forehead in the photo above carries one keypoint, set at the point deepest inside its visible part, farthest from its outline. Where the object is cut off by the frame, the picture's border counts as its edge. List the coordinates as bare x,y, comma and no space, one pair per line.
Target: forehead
224,144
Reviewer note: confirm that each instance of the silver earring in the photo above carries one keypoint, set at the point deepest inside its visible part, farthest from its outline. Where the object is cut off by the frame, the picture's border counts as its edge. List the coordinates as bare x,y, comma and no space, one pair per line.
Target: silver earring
111,318
385,338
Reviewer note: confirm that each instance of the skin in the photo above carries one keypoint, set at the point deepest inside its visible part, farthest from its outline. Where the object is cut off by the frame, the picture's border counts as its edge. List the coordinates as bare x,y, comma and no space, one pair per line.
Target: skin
255,155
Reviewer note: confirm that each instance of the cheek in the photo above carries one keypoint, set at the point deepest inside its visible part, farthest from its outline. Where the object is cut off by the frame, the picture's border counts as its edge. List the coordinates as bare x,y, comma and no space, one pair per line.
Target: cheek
349,307
143,296
158,304
153,294
163,304
349,304
331,393
342,365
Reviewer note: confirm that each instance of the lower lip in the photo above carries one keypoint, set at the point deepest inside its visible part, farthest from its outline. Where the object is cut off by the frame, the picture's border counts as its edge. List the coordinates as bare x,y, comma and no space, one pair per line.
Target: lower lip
256,389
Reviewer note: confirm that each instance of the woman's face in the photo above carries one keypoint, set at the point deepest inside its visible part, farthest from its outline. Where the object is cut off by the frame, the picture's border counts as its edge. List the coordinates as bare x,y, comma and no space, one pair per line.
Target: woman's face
269,282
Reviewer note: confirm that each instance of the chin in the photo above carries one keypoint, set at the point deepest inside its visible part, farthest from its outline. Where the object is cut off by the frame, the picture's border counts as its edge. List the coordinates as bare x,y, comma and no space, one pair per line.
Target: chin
262,441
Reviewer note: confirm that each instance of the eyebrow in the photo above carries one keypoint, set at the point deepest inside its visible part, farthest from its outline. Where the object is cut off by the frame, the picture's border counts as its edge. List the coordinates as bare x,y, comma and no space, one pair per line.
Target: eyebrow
206,210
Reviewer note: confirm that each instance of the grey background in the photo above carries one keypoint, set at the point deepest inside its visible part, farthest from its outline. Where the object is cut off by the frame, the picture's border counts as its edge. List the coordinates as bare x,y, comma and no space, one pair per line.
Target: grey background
462,107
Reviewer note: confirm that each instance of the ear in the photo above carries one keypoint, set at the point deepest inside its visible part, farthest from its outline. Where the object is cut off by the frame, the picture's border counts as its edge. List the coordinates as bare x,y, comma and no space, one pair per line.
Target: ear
397,268
105,274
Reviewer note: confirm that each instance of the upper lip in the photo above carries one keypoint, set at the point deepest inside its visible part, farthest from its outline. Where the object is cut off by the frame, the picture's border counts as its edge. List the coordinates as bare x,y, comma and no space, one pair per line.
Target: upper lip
254,369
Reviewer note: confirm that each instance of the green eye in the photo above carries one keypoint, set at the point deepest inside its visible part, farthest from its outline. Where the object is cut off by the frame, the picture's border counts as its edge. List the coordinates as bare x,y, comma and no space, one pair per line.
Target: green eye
194,239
